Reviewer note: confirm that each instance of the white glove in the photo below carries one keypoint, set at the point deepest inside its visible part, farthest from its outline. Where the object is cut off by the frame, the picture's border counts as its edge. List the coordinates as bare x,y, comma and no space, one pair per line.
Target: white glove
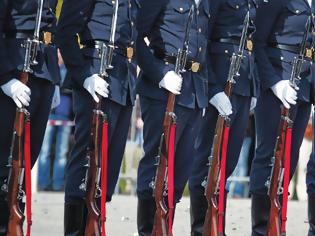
56,98
222,103
253,103
19,92
95,84
284,91
172,82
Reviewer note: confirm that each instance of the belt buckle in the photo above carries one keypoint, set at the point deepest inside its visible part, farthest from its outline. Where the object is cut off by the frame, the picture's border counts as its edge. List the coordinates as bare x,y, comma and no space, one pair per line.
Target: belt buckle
249,45
309,53
195,66
130,53
47,38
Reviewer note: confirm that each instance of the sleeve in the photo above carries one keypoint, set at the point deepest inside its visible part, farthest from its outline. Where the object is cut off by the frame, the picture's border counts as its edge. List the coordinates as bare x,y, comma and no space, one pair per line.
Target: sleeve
264,27
73,17
147,16
6,68
214,85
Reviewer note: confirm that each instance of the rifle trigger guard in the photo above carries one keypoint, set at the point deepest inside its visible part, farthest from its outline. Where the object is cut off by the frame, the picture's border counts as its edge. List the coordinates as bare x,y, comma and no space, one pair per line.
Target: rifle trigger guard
98,192
173,116
21,194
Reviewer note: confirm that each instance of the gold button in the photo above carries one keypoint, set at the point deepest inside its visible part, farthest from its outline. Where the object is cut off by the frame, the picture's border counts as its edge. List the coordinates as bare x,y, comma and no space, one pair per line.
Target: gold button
195,67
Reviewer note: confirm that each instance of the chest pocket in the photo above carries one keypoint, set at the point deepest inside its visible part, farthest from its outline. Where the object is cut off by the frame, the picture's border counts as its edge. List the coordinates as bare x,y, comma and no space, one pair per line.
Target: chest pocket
237,4
296,7
181,8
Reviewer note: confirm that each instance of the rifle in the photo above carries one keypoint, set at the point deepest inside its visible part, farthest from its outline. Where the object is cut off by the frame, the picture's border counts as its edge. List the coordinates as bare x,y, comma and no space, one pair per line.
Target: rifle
164,179
215,186
96,176
280,173
20,156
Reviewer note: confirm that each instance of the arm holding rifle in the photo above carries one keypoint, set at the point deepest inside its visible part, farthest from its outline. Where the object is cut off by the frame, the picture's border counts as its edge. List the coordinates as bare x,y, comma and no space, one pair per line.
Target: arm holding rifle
217,96
158,72
12,87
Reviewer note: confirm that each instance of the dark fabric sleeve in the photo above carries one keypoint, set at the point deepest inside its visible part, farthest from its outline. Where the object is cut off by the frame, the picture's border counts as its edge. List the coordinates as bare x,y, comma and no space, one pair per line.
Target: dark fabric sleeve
6,67
72,21
214,85
267,15
148,14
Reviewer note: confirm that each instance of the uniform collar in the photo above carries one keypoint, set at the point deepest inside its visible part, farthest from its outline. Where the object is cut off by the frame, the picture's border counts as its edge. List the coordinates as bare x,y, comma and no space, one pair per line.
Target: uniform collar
194,2
307,4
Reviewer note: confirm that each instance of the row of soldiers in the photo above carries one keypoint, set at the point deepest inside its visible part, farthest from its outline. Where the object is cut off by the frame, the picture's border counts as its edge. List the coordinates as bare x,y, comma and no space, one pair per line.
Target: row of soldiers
149,34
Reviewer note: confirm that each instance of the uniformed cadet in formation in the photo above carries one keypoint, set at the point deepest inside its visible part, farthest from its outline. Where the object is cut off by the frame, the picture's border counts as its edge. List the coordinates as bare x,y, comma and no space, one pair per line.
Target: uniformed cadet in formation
276,45
227,23
17,23
163,23
91,20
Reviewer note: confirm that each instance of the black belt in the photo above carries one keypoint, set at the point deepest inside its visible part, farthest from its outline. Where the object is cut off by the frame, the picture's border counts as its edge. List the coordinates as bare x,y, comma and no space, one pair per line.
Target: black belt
44,36
235,41
309,53
127,52
190,64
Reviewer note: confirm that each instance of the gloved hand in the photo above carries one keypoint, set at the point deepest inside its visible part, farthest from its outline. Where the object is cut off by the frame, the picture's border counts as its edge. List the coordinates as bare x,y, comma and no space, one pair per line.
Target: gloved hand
56,98
19,92
253,103
285,93
222,103
172,82
95,84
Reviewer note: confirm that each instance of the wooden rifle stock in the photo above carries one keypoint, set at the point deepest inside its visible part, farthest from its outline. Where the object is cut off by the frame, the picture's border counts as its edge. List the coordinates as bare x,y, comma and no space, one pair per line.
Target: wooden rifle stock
211,219
16,176
93,224
161,214
277,174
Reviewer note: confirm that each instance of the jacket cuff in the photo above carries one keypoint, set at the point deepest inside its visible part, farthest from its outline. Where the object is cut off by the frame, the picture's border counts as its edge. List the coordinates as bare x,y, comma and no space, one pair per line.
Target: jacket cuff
5,78
270,82
214,89
78,75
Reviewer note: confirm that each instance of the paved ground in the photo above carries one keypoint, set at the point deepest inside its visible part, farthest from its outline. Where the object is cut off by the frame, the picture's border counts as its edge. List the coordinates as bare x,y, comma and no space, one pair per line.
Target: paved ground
48,217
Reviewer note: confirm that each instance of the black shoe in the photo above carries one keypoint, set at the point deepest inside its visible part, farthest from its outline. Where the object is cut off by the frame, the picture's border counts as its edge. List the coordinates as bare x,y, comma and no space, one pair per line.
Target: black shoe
198,209
4,217
145,216
311,215
75,219
260,214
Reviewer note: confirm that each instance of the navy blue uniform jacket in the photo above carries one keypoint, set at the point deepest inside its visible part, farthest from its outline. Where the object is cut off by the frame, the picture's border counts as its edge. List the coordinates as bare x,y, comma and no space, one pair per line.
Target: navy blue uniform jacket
18,16
282,22
91,20
163,23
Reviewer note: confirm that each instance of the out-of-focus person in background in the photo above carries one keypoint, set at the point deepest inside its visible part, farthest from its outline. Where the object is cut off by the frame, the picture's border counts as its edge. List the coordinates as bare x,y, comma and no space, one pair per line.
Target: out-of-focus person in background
53,155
